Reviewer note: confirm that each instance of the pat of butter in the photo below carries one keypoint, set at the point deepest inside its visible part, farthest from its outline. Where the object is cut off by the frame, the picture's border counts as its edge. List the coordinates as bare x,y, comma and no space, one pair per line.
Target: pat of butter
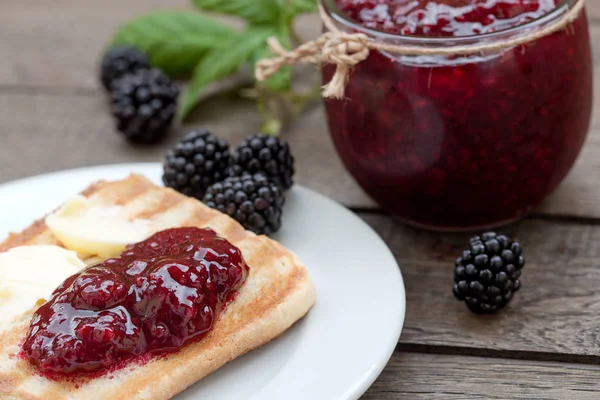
94,229
30,273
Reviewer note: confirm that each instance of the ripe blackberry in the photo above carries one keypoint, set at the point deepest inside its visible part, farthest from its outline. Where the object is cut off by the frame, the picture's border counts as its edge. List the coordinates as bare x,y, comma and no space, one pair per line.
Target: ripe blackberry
120,61
144,104
486,276
265,154
195,163
252,200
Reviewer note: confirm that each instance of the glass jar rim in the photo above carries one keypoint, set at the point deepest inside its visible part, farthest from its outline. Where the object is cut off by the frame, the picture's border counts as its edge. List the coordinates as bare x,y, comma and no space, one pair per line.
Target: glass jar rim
339,18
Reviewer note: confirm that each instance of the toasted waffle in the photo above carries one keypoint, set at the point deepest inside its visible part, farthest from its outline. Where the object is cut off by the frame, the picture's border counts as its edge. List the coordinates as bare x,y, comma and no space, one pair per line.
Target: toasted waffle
277,293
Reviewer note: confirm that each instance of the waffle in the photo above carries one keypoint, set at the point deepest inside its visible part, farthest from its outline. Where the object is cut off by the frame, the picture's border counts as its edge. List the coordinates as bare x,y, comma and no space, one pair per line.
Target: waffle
277,293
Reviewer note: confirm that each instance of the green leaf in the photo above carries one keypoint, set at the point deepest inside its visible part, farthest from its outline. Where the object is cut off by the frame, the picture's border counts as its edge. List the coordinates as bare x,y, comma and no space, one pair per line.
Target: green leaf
222,62
282,79
253,11
174,41
303,6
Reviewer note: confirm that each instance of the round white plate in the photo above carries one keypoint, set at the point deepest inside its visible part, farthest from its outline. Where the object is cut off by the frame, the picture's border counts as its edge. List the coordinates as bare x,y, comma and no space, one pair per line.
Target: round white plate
337,350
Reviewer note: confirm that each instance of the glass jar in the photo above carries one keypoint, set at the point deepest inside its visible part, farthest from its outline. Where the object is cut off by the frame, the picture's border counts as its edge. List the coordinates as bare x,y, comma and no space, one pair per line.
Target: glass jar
465,141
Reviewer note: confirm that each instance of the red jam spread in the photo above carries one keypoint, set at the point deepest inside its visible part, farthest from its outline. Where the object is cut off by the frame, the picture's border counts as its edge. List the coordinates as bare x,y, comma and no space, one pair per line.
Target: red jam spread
462,141
155,297
445,17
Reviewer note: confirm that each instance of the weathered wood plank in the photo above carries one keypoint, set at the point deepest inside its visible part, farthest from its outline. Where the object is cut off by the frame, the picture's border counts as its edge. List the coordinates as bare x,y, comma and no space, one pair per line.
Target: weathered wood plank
41,133
557,310
60,45
579,194
429,376
593,10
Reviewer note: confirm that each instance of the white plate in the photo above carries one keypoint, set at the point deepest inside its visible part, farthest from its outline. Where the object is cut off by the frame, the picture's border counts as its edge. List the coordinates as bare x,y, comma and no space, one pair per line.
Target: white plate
342,345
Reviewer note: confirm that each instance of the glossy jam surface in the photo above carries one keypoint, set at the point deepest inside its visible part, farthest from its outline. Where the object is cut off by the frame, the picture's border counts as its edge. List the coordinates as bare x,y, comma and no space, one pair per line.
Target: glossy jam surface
462,142
155,297
444,17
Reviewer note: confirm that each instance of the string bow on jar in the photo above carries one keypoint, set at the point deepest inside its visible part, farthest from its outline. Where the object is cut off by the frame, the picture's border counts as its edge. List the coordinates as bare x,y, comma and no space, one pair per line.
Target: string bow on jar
346,50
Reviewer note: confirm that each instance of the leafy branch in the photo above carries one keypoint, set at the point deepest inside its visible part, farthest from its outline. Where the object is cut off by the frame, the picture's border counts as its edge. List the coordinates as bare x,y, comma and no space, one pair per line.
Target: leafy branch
191,44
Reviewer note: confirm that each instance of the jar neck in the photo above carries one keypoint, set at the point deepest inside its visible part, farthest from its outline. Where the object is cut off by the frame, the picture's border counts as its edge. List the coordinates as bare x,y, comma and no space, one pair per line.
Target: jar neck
345,24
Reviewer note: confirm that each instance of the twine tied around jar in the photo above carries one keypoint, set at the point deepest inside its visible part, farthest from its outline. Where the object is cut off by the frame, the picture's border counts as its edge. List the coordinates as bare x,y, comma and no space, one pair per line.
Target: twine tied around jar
346,50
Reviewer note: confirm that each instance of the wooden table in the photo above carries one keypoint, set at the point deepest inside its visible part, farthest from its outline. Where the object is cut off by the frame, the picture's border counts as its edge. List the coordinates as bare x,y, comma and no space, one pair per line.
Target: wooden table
54,116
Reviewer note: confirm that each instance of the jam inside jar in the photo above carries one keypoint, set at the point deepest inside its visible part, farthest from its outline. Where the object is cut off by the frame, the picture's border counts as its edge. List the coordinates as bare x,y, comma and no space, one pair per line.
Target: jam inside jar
462,141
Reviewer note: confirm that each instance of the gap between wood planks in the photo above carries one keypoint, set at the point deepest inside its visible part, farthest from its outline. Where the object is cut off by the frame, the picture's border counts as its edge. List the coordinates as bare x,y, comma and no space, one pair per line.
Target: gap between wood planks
565,219
498,354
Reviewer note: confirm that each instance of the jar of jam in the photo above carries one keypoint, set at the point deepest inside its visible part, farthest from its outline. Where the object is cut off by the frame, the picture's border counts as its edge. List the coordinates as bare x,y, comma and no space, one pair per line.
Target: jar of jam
456,142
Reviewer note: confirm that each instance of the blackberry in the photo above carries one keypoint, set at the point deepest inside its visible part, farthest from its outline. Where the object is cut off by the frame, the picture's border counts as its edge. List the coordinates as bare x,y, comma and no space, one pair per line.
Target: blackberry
144,104
195,163
267,155
252,200
486,276
120,61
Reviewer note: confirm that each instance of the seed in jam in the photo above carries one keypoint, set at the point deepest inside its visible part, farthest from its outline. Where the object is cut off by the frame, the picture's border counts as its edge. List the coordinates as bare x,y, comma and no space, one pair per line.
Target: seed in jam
155,297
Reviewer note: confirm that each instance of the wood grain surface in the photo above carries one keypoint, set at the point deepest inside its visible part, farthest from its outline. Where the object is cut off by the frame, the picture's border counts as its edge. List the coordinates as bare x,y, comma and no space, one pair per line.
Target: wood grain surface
58,46
554,316
41,133
414,376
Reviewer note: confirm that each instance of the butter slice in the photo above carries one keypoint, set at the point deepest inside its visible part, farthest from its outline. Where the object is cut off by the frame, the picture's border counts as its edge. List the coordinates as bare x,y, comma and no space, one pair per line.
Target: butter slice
93,229
31,273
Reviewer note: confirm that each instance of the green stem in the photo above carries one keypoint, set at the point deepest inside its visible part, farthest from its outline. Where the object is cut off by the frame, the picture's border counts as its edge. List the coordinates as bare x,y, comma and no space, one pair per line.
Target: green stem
272,120
272,126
